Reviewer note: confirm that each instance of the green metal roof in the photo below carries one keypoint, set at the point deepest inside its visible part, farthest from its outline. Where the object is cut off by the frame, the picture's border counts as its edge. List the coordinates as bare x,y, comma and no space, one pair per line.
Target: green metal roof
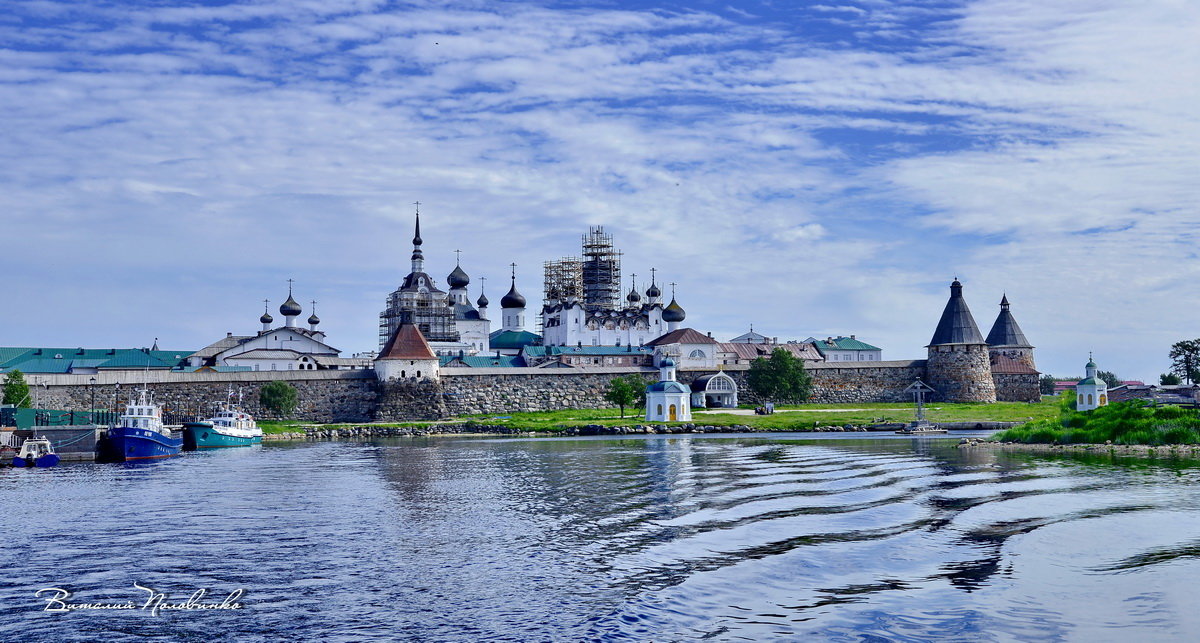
510,339
845,344
485,361
1092,381
61,360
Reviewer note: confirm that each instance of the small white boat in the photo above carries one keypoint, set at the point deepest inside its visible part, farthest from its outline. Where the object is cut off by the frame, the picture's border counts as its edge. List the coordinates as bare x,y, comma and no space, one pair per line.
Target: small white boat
35,452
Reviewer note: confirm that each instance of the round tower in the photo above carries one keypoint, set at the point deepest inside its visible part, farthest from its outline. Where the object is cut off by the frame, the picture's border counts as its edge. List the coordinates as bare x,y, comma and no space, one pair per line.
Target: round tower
959,367
1006,338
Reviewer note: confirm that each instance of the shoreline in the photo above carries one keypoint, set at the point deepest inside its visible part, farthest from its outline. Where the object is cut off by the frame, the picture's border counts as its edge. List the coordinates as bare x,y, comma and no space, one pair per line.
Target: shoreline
1191,451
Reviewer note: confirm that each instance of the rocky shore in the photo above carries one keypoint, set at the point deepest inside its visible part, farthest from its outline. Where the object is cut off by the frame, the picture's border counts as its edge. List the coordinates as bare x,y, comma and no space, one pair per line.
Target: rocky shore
318,432
1130,450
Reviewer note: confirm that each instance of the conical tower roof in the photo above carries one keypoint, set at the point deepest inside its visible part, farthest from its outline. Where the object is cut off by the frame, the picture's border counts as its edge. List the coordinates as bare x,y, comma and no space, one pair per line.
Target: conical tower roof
406,343
956,326
1006,332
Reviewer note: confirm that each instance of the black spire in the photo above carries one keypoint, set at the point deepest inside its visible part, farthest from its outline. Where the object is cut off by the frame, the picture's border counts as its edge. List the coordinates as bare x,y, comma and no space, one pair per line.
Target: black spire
1006,332
417,234
956,326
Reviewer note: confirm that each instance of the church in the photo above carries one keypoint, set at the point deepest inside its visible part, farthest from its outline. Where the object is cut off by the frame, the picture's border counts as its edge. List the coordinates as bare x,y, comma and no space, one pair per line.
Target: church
447,320
289,347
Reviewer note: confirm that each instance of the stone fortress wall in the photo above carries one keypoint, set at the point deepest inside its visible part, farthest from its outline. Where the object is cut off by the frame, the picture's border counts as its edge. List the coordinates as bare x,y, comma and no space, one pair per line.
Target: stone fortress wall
357,396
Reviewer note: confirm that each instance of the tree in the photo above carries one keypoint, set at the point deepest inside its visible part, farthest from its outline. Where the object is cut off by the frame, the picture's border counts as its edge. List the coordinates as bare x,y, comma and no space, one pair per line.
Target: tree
1046,384
1185,359
780,378
278,397
1109,377
1168,379
621,392
16,391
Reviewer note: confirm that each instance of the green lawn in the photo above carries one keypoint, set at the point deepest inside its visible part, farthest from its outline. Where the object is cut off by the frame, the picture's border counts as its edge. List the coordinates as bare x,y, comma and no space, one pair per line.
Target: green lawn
806,417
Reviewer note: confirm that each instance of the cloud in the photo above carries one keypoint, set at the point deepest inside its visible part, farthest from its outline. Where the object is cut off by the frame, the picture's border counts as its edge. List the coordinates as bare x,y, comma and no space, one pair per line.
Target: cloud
813,168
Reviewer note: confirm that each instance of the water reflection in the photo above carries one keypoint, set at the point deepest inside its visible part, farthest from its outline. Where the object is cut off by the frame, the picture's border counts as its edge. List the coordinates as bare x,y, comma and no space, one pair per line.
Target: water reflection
664,538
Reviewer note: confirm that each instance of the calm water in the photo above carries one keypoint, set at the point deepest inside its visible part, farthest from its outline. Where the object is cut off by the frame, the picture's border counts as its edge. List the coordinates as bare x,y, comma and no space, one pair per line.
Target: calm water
657,538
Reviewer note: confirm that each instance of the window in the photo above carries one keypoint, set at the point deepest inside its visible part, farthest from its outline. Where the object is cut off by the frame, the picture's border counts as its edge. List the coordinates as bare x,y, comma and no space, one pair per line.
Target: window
697,354
1089,399
659,410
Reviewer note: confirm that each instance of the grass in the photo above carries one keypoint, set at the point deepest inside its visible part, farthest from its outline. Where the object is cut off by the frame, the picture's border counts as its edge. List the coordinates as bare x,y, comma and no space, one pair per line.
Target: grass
1124,423
809,415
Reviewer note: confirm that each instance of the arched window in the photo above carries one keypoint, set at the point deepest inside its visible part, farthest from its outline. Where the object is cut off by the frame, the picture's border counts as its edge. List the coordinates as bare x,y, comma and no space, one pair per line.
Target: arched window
659,410
1080,400
1103,400
1089,399
403,374
697,354
418,373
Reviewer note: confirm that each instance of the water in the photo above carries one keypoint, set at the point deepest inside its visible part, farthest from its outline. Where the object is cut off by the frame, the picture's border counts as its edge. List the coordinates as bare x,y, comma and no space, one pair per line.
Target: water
743,538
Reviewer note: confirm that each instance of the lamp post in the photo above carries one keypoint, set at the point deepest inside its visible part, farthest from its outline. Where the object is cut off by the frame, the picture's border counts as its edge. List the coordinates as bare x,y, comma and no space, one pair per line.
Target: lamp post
92,411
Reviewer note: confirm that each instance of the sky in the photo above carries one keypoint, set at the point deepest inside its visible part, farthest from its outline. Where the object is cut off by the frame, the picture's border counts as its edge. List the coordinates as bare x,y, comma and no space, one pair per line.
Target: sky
811,168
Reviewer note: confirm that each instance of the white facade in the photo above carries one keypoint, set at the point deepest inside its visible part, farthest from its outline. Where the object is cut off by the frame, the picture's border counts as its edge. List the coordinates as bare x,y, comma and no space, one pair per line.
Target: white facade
572,324
666,399
1091,392
406,369
717,390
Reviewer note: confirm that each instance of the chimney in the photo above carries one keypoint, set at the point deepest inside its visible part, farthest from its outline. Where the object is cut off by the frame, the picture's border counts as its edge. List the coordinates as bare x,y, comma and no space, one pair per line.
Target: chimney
852,337
228,334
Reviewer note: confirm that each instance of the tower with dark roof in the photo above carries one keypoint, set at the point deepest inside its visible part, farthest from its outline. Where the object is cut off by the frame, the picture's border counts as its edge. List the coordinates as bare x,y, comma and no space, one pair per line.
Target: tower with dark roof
959,366
429,306
513,305
1013,368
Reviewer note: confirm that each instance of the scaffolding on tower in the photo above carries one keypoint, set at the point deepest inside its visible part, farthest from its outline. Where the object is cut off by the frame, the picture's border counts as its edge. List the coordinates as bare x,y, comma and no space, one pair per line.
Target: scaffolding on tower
563,279
601,270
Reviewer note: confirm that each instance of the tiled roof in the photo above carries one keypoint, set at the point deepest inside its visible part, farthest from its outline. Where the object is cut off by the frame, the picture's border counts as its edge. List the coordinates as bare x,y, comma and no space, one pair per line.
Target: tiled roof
406,343
1009,366
682,336
750,352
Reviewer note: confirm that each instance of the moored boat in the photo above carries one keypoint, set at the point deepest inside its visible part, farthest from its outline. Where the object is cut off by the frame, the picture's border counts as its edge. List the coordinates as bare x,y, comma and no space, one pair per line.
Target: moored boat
140,434
230,427
35,452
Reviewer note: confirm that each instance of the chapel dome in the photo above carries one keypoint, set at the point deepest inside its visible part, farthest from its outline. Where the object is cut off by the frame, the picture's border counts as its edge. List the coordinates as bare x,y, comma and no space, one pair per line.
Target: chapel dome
513,299
673,312
458,278
289,308
266,318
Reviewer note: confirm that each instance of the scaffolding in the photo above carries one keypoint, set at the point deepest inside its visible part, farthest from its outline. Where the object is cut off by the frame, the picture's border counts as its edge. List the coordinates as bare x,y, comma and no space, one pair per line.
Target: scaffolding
564,278
601,270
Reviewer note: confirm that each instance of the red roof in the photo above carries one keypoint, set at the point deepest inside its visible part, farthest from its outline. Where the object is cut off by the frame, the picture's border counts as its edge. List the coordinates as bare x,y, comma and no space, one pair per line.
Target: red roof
1010,366
682,336
407,343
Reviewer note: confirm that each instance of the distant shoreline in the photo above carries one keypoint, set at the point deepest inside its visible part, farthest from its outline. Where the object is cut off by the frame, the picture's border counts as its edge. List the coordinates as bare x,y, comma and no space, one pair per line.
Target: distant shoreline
1130,450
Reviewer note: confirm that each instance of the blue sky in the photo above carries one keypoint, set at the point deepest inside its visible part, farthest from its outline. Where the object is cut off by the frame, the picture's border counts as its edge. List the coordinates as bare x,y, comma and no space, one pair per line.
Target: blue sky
811,168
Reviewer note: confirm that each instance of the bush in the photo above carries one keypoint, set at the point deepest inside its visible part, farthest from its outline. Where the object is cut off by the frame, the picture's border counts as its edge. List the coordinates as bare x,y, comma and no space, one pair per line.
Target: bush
279,398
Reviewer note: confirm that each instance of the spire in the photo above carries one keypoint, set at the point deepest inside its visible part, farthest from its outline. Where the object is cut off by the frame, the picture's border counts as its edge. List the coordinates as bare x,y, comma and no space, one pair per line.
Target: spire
1006,332
266,318
633,297
653,293
418,257
483,300
956,326
313,320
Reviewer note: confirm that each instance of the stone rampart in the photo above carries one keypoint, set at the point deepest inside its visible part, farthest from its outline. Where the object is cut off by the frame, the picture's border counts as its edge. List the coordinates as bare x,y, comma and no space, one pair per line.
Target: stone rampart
960,373
1017,387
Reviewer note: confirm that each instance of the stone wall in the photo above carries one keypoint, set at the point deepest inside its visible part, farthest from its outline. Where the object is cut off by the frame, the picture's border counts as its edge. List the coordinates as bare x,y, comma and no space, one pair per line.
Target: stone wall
960,373
1017,387
350,396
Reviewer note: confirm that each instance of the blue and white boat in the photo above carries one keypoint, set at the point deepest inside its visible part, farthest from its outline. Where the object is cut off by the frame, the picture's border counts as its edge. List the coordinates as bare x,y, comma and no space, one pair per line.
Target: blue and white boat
35,452
140,434
230,427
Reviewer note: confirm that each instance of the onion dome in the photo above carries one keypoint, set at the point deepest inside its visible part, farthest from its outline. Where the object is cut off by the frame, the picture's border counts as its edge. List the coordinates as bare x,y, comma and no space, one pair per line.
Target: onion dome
633,297
458,278
483,301
673,312
667,361
266,318
513,299
313,320
653,292
289,308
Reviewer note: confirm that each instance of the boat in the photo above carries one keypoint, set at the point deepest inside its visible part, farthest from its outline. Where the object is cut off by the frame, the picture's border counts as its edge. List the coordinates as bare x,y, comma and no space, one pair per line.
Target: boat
230,427
921,428
35,452
140,434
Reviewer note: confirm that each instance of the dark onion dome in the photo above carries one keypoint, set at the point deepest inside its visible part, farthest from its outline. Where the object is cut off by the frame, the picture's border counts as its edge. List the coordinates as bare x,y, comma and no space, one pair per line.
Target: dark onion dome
458,278
513,299
653,292
266,318
956,326
673,312
633,297
313,320
289,308
482,302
